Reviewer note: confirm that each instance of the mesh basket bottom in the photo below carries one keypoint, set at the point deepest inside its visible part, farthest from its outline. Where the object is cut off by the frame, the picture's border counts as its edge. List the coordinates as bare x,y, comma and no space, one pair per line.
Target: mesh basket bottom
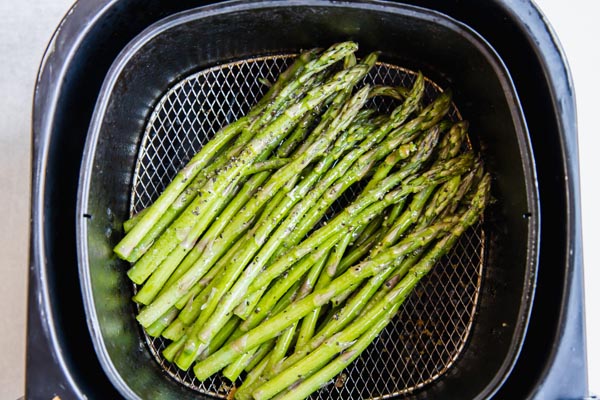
432,326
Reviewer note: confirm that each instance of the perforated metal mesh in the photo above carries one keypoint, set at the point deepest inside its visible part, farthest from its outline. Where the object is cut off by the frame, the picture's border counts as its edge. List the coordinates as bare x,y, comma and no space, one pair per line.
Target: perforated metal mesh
433,325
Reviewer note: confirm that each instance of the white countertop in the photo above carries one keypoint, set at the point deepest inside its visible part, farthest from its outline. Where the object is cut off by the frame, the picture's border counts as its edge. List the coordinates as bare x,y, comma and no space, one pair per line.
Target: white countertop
578,29
25,29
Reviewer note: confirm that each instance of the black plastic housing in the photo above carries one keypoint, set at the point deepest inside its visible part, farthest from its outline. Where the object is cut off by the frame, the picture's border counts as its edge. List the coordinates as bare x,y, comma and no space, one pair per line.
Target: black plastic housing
62,114
422,40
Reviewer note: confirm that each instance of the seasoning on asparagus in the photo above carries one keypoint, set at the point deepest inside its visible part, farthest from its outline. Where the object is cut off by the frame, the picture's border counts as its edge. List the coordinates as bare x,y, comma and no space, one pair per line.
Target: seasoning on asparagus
240,261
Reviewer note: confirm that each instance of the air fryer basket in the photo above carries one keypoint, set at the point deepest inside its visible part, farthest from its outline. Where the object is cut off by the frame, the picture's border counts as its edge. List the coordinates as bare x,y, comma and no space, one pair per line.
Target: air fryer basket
432,327
122,150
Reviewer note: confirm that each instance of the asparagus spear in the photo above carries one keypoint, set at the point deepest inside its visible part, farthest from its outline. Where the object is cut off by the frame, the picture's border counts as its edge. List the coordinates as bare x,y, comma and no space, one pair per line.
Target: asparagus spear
329,57
425,120
312,362
258,357
207,327
322,279
273,326
316,381
218,226
179,234
177,185
199,161
357,303
175,330
157,328
235,368
166,268
265,306
187,196
390,271
270,134
163,271
450,146
289,233
352,215
268,165
244,392
140,271
264,128
408,218
131,222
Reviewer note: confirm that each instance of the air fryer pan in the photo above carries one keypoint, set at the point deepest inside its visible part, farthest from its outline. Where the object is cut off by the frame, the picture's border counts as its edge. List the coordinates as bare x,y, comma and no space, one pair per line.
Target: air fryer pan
432,327
448,53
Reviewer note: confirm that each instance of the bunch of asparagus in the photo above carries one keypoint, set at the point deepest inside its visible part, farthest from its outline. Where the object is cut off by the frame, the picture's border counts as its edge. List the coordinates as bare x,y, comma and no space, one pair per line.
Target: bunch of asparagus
234,263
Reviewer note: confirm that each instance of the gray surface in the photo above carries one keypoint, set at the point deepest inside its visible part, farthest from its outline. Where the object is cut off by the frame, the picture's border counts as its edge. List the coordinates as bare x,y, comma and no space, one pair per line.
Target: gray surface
25,29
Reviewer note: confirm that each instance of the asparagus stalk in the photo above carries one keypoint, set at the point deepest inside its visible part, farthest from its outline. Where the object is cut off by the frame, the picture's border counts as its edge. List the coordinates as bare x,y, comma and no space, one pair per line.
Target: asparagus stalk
376,211
365,233
177,185
273,326
203,157
165,270
286,198
285,77
139,272
249,252
289,233
417,272
191,311
329,57
393,214
377,319
322,279
389,91
268,165
131,222
299,134
348,217
207,327
408,218
255,355
282,345
252,356
363,244
281,124
316,359
218,226
244,392
425,120
258,357
332,325
187,196
439,207
225,333
223,336
171,351
179,234
264,307
352,308
233,370
175,330
319,378
157,328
